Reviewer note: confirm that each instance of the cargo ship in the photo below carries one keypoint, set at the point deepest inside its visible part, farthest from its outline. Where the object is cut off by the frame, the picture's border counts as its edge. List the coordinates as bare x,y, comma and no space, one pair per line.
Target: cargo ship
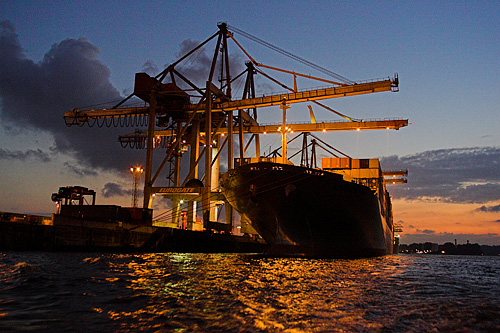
340,210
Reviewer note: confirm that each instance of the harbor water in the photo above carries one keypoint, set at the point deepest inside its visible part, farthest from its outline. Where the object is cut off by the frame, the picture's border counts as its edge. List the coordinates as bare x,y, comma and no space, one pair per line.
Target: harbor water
178,292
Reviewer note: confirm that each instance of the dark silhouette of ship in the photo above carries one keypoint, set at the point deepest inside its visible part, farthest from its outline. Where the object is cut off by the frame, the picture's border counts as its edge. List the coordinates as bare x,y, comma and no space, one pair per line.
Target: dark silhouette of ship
340,210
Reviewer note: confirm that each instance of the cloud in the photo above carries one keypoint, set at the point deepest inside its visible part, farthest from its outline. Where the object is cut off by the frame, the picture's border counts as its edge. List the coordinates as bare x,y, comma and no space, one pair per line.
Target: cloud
79,171
426,231
197,66
458,175
150,68
37,95
489,209
70,75
114,190
23,155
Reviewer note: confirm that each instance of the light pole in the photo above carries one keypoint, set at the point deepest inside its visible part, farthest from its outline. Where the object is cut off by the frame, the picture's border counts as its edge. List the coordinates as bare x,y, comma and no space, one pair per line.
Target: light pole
136,175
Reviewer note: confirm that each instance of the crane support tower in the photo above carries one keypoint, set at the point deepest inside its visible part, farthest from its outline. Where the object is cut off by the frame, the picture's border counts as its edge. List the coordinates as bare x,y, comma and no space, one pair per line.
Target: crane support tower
207,123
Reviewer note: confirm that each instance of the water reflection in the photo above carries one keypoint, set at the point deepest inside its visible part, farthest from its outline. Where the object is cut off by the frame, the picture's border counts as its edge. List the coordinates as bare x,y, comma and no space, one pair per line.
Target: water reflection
217,292
233,292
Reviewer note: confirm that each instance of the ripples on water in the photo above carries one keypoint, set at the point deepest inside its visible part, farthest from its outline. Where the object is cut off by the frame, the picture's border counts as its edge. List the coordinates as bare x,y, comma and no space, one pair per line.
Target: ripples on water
246,293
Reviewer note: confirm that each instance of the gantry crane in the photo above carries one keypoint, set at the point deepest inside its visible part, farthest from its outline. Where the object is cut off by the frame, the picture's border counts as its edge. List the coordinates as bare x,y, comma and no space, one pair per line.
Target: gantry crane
207,118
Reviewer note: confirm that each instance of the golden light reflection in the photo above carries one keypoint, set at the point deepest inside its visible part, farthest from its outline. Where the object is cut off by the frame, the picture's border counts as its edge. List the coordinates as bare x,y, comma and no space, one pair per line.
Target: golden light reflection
325,290
109,279
193,292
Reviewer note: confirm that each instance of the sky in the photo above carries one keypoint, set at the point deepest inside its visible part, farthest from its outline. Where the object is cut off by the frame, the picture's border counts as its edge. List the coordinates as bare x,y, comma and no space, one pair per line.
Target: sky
59,55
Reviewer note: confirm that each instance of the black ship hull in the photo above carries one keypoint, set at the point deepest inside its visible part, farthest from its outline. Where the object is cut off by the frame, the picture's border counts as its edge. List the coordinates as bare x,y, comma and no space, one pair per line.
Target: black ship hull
309,212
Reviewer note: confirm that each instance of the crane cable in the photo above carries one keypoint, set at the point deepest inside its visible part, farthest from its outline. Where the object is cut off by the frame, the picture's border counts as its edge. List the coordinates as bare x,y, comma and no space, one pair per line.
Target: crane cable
292,56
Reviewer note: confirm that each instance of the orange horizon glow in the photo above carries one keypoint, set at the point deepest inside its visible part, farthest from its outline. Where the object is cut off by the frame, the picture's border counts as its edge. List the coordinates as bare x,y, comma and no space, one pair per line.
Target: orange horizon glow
420,217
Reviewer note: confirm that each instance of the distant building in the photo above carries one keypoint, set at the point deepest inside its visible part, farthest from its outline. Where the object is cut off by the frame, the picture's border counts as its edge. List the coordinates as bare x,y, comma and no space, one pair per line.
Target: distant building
449,248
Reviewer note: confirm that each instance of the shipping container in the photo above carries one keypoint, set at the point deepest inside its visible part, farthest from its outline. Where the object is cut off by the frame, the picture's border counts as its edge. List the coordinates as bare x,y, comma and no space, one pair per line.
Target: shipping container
336,162
374,164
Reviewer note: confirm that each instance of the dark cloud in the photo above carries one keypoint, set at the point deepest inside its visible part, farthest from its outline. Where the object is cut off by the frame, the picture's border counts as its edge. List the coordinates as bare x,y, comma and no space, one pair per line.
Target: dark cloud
460,175
23,155
489,209
426,231
197,66
114,190
36,96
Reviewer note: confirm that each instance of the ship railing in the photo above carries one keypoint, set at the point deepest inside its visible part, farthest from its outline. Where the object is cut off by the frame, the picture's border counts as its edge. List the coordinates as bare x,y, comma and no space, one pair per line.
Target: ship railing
371,183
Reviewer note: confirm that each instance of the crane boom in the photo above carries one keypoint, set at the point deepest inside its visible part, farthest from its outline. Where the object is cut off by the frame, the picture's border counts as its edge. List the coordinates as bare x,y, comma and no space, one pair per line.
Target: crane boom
75,116
306,95
299,128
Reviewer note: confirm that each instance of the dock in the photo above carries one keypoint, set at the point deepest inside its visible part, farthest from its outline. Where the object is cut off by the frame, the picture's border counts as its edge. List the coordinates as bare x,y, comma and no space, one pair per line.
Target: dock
24,232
